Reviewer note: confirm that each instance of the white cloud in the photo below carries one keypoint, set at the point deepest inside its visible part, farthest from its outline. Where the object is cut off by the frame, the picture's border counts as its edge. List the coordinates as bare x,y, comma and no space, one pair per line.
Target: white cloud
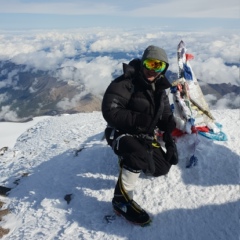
191,9
214,70
210,98
67,104
7,114
119,43
94,57
174,8
57,7
10,80
230,100
4,97
68,74
226,48
32,89
97,74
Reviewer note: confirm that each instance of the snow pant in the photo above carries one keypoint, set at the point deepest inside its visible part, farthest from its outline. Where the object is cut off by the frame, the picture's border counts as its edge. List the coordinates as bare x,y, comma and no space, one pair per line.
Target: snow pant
135,155
139,154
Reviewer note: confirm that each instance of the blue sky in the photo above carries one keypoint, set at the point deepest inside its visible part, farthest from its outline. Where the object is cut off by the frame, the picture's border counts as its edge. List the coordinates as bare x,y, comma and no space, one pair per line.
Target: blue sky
172,15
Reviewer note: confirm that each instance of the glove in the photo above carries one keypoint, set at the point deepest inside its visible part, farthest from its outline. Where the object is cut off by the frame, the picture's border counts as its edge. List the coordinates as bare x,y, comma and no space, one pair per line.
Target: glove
171,124
172,153
167,124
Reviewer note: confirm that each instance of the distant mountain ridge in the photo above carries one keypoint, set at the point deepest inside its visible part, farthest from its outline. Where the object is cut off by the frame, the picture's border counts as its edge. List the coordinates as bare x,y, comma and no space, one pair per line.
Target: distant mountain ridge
220,89
30,93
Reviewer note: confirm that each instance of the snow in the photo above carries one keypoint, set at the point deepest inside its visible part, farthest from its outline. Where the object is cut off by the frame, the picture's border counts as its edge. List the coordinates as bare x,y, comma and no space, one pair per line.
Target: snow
10,131
61,155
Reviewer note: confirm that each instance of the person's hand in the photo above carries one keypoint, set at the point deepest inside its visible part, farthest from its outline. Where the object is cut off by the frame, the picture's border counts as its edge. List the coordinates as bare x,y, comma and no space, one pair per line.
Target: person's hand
171,123
172,153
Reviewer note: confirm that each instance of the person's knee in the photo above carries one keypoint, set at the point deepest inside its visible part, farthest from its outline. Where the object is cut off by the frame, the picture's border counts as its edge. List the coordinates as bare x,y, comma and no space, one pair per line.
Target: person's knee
162,171
134,161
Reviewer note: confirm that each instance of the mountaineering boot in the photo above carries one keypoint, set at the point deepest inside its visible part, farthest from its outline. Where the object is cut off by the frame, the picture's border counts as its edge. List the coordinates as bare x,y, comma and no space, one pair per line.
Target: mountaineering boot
122,202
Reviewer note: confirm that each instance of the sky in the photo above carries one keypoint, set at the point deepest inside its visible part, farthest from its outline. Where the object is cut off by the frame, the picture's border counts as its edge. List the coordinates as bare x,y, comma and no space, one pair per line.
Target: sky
173,15
44,164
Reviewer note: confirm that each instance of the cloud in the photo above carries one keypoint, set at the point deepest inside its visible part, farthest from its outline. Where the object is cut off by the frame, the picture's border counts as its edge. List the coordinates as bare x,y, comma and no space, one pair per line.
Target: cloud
7,114
57,7
190,9
4,97
153,8
67,104
210,98
94,56
230,100
33,88
98,73
10,78
214,70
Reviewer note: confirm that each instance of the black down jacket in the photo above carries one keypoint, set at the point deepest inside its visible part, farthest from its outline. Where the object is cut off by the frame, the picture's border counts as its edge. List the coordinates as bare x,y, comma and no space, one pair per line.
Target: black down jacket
133,105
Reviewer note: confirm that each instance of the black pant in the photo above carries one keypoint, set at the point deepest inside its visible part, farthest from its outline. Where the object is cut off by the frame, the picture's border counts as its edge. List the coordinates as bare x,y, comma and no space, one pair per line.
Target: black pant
138,154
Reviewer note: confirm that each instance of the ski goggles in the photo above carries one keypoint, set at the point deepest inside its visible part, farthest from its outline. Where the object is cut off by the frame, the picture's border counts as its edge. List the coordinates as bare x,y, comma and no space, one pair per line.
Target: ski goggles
154,64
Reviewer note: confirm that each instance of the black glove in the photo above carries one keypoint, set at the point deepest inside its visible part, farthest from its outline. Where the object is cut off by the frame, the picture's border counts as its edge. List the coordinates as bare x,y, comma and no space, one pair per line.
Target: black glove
172,153
171,124
167,124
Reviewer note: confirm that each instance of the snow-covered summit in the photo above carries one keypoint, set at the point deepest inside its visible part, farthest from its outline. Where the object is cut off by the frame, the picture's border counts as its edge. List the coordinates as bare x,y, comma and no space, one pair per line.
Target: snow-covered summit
63,176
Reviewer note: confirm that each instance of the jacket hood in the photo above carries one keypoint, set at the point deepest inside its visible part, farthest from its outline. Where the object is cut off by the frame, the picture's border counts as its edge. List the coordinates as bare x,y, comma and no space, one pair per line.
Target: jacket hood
154,52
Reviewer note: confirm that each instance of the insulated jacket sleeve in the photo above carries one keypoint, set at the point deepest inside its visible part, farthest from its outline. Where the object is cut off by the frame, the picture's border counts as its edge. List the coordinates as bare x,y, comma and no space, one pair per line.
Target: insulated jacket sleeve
115,109
167,122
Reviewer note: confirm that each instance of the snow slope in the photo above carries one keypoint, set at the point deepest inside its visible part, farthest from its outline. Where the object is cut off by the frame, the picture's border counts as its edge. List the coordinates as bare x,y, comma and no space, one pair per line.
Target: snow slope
64,155
10,131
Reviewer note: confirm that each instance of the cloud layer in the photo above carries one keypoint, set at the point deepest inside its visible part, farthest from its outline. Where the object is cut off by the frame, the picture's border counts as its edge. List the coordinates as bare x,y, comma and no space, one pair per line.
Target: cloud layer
95,56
